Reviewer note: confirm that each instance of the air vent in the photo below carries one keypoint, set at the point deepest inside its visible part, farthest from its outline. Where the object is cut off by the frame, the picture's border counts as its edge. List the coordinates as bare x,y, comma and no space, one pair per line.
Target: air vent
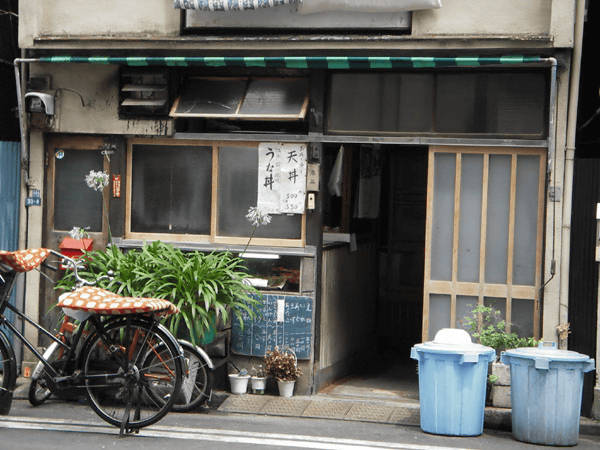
143,93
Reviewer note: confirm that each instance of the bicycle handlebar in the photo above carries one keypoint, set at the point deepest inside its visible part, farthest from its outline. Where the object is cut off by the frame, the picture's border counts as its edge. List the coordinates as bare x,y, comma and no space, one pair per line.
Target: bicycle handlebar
72,263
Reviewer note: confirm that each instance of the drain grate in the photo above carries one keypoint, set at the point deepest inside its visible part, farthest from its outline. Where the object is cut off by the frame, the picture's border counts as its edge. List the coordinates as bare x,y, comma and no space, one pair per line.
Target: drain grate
374,413
327,409
405,416
285,406
244,403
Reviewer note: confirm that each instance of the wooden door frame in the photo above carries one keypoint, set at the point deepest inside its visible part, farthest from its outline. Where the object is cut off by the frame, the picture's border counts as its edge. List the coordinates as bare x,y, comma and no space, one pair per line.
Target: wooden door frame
482,289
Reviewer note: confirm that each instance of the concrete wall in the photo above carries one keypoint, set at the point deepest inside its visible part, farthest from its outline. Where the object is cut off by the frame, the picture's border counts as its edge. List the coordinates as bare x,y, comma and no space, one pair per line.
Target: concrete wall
348,308
98,85
481,17
39,18
69,19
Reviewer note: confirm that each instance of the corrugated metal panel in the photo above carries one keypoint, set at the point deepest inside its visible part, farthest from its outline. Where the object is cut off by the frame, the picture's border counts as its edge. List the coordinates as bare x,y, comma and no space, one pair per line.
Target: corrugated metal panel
583,273
9,195
9,200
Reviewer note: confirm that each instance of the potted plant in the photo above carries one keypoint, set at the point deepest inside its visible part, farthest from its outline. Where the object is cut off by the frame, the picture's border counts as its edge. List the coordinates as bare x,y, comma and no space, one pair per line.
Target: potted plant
283,366
487,327
206,288
258,379
238,381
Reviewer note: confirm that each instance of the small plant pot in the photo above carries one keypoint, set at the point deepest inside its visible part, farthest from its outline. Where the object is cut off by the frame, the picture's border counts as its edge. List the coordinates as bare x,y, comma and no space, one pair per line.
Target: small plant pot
286,388
258,385
239,383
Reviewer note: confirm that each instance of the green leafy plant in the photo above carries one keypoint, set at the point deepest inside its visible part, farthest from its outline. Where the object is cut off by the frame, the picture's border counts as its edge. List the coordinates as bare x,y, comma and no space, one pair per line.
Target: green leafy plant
486,326
205,287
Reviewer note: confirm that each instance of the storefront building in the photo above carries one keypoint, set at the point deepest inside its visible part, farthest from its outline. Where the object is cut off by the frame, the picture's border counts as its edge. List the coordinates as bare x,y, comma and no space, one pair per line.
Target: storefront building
431,146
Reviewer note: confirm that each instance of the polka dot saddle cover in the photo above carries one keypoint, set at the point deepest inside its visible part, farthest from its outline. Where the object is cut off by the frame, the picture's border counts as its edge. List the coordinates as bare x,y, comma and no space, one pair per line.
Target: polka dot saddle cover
100,301
23,260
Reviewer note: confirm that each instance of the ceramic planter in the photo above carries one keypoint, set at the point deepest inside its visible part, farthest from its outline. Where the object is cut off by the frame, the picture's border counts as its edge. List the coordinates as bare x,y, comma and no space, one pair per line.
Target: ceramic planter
286,388
239,383
258,385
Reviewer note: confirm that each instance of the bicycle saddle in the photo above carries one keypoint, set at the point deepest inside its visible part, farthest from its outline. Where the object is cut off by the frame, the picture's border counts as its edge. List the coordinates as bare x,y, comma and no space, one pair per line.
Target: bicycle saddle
23,260
100,301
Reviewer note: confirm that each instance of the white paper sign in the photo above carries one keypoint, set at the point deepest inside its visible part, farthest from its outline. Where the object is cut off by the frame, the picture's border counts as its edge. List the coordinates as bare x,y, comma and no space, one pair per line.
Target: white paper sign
281,178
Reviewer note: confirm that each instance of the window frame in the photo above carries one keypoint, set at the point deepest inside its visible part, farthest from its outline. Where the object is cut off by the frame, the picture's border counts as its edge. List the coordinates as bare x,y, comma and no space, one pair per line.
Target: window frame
237,115
213,237
83,143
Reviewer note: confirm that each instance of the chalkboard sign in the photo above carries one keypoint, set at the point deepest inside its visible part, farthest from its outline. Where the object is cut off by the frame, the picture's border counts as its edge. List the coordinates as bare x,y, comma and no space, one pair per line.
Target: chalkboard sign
294,328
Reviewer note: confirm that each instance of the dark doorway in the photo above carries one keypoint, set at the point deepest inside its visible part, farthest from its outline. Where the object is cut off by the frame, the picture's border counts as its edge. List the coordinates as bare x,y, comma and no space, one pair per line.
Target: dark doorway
583,273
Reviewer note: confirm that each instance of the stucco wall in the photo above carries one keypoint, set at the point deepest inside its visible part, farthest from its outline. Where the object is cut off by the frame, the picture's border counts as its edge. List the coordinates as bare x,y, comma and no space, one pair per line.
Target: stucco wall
39,18
98,86
481,17
157,18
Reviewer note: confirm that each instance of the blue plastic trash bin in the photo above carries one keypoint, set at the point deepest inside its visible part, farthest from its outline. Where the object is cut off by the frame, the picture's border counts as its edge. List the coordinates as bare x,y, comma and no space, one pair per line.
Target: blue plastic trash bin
546,387
452,381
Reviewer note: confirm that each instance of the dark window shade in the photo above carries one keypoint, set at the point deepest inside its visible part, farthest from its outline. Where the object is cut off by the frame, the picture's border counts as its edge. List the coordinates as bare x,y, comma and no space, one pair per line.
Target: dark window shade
75,204
381,102
171,189
503,103
238,186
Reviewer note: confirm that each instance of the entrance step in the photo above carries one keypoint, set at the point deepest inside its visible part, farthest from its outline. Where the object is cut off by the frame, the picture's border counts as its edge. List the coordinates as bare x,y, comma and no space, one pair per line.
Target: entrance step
323,408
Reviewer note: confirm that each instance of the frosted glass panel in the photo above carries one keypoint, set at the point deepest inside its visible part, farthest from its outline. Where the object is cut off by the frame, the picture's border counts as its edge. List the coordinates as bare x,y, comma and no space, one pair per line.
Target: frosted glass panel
470,218
528,169
439,313
443,216
498,304
522,317
464,306
238,172
497,219
171,189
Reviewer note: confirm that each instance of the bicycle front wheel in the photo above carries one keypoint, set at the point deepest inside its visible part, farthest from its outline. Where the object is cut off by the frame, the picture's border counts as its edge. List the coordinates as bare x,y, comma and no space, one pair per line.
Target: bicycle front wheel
124,387
196,384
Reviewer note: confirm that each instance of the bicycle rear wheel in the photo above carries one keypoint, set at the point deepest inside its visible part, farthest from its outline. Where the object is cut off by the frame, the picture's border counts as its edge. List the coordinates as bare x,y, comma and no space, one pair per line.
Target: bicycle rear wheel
124,387
196,385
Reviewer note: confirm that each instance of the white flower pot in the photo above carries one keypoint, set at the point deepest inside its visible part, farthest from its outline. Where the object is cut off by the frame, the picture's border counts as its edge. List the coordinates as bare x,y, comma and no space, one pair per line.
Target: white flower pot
239,383
258,385
286,388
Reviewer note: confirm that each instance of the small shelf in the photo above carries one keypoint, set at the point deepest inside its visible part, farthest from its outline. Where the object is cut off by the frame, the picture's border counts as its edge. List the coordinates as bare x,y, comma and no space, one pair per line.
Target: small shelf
143,102
143,88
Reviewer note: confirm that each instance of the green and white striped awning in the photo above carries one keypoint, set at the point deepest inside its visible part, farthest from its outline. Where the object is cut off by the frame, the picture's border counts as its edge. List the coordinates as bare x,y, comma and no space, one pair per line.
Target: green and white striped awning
302,62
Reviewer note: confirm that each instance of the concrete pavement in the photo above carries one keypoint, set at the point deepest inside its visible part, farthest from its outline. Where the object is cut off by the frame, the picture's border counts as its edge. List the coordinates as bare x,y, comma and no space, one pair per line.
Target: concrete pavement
341,407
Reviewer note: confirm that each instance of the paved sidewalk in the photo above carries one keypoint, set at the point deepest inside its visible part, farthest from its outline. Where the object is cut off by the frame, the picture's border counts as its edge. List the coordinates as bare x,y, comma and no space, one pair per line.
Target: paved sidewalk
327,407
323,406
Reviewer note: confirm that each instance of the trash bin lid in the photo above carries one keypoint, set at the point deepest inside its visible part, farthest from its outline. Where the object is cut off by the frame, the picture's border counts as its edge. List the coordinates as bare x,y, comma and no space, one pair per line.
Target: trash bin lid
547,350
453,340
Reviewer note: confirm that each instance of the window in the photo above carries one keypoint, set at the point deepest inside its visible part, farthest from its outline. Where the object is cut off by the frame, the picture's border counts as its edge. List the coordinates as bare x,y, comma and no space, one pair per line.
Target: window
75,204
243,98
200,192
501,103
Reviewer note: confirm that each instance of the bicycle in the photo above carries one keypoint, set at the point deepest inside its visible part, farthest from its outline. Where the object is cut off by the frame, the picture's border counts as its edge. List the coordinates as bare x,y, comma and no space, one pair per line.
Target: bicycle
129,365
196,386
